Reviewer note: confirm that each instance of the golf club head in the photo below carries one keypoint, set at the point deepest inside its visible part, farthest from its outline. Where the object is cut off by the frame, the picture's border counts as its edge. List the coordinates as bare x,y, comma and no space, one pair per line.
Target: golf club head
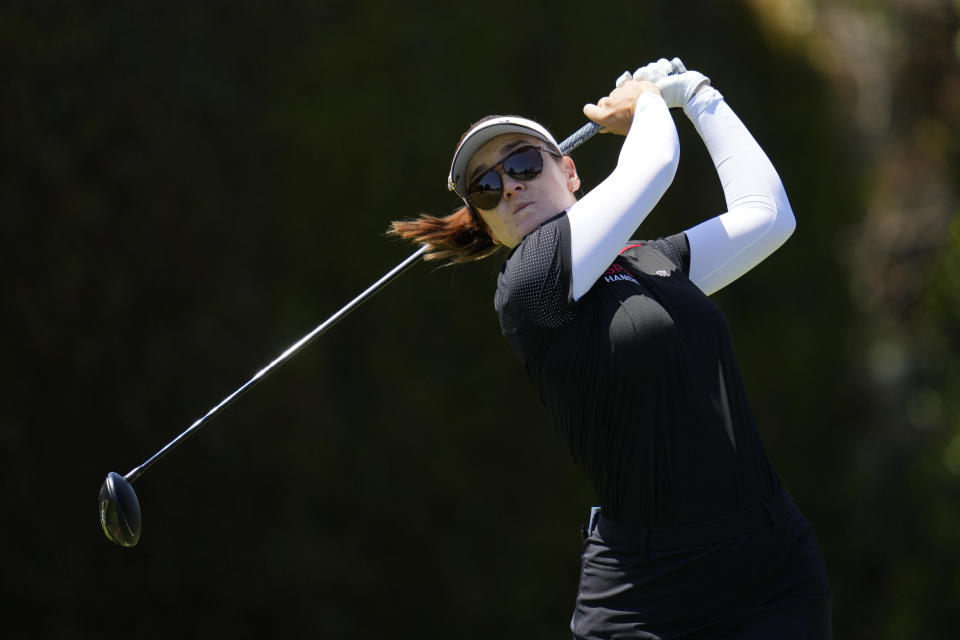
119,511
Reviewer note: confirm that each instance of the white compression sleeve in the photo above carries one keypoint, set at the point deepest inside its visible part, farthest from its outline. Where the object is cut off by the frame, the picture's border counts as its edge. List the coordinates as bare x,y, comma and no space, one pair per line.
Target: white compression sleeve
602,221
758,218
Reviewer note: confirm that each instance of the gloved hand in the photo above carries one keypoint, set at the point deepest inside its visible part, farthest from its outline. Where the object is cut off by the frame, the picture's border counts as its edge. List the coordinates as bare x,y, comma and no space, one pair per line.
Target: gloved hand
677,90
654,71
672,78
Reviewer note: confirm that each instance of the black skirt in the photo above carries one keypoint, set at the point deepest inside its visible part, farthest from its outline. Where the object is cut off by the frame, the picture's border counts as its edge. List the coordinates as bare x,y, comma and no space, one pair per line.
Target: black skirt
757,574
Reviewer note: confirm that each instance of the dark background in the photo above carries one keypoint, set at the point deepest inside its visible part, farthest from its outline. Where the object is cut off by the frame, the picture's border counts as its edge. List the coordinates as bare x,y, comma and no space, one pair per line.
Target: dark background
187,188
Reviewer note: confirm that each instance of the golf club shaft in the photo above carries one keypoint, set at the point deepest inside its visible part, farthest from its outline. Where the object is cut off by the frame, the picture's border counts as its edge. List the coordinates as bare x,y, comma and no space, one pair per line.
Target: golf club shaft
579,136
286,355
573,141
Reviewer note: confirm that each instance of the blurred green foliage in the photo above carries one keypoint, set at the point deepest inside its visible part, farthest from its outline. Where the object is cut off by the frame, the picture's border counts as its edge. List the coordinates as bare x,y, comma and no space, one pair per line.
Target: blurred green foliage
188,188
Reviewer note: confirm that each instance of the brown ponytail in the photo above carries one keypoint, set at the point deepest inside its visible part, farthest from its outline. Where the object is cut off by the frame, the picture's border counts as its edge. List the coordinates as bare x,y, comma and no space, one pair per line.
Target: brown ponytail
457,238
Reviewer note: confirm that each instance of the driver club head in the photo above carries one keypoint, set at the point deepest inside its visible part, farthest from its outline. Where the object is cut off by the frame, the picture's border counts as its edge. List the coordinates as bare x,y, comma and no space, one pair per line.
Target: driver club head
119,511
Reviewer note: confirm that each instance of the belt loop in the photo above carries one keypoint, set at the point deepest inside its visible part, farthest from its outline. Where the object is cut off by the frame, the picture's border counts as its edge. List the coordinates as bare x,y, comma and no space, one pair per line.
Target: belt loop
594,516
587,530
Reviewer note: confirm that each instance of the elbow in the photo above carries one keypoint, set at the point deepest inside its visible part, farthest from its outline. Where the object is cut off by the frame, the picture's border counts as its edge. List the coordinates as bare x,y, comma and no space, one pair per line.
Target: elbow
789,223
780,223
769,218
773,209
785,221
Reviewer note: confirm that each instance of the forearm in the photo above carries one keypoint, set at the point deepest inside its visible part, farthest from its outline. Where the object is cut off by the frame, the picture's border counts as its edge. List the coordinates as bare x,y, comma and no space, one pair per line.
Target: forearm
602,221
758,218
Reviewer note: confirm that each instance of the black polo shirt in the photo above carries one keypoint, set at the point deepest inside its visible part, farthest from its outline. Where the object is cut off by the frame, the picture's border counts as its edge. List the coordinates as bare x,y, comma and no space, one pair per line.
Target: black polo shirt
639,376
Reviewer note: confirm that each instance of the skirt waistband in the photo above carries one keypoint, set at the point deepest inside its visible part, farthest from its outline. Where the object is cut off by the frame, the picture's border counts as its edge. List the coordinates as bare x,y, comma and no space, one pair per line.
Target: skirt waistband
771,511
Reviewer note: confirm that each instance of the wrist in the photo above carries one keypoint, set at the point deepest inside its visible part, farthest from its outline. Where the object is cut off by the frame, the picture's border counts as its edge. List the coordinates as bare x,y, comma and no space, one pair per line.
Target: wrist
652,96
705,94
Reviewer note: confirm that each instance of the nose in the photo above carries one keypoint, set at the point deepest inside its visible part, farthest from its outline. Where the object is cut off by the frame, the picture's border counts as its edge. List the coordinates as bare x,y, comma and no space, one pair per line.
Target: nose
510,185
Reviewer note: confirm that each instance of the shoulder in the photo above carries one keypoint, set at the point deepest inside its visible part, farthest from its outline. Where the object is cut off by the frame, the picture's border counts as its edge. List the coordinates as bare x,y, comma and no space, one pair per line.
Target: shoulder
542,255
534,281
649,254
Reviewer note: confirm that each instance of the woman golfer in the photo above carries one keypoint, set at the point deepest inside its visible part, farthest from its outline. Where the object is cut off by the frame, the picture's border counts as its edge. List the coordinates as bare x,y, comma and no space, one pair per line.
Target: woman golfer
696,537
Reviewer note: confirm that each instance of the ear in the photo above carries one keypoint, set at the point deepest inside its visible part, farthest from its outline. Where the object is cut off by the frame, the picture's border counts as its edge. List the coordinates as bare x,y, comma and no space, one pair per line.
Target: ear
570,169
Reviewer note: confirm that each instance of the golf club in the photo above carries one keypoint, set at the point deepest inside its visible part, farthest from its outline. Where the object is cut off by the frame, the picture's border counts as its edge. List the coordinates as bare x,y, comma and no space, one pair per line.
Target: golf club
119,507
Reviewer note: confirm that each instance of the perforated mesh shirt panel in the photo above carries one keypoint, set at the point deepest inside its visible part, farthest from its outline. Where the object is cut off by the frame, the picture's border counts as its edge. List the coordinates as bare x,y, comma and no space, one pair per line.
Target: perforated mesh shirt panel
534,285
534,288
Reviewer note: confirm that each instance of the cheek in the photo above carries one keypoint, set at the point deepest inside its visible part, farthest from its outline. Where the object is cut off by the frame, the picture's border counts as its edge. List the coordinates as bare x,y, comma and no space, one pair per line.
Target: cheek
491,221
558,175
558,186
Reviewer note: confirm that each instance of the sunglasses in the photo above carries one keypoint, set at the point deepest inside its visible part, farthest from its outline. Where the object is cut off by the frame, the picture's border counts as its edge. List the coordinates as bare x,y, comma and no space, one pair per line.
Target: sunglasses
526,163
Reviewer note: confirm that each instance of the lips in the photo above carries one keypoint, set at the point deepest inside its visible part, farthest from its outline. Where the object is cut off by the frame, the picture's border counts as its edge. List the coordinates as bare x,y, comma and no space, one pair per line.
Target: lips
521,207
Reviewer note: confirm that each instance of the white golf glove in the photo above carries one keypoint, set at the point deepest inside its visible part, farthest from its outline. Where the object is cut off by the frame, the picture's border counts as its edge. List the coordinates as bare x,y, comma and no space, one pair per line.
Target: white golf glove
677,90
654,71
624,77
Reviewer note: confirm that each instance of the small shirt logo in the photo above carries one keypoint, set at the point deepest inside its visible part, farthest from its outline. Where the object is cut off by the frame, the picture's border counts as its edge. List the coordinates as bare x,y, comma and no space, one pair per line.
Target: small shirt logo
617,273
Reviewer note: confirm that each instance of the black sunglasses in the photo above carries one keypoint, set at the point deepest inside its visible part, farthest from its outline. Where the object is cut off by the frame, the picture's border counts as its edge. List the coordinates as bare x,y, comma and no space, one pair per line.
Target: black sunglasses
525,164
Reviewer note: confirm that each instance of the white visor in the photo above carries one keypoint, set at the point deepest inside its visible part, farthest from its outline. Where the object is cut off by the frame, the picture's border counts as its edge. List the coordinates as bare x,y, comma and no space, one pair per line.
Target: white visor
483,133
